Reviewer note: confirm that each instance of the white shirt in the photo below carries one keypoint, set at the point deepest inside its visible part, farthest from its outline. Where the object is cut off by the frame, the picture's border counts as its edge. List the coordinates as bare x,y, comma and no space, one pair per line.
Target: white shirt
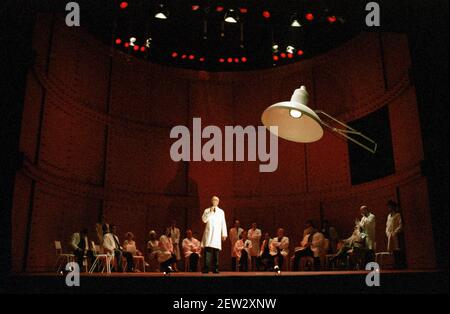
241,245
215,228
190,246
234,235
283,245
255,237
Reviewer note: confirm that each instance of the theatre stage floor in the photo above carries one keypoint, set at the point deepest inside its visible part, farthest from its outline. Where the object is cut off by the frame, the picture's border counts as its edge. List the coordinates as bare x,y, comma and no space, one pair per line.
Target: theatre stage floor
391,281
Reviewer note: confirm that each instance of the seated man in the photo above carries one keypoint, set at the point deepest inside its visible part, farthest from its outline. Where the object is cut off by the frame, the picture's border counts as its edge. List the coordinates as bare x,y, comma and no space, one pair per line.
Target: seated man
265,260
351,245
79,243
191,249
166,256
304,249
242,251
279,247
153,250
111,245
129,245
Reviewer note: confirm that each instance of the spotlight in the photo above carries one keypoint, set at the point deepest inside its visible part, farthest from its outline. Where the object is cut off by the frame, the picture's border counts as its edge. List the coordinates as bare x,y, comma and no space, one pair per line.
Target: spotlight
309,16
275,58
266,14
221,60
118,41
300,52
295,23
143,49
277,270
136,48
174,54
244,59
219,8
236,60
290,49
231,17
283,55
191,57
127,44
331,19
195,7
243,10
183,56
229,60
294,113
290,55
275,48
161,13
201,59
148,42
123,4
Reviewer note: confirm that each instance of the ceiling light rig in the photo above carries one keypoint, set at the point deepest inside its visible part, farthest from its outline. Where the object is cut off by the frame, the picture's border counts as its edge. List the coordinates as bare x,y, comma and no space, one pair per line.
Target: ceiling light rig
215,29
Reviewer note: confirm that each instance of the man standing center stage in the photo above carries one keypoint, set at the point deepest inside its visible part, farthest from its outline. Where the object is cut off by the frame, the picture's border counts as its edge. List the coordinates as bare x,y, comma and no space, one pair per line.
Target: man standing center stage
215,233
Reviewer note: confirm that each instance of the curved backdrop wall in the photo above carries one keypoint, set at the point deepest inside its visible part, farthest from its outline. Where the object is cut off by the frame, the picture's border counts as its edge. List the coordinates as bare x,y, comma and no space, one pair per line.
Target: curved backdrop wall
95,137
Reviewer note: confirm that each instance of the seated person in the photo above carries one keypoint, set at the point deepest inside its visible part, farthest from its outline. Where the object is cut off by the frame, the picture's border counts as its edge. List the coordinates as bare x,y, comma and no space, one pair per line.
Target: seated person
353,244
153,249
129,244
191,249
312,245
279,247
166,256
79,243
265,260
242,251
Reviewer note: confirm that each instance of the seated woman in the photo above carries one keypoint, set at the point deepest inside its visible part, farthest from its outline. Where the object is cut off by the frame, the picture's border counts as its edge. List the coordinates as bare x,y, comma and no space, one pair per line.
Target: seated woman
166,256
242,251
265,260
153,250
279,248
191,249
129,245
349,246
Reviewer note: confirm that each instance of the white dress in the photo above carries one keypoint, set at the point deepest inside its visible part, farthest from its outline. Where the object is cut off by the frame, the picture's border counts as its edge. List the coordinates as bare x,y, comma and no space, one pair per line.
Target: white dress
393,227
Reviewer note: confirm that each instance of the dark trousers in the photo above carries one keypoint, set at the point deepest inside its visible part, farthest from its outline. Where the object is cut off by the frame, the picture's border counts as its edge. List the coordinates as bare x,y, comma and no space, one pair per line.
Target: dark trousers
298,256
118,258
130,260
79,257
211,259
264,262
233,263
243,261
254,260
280,258
165,265
193,261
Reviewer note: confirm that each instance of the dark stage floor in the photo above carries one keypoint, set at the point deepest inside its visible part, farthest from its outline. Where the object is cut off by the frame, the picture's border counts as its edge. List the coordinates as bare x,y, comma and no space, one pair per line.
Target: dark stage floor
232,283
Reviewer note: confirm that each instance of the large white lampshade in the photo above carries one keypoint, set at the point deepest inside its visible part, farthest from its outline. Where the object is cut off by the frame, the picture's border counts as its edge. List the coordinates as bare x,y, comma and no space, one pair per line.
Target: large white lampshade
295,120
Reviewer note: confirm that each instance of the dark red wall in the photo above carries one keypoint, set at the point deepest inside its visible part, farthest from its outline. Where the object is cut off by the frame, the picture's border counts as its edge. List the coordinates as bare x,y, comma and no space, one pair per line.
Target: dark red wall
96,138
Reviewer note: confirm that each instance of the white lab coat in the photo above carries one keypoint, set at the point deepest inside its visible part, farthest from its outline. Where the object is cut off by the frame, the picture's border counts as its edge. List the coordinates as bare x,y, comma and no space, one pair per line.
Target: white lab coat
215,229
283,245
175,236
255,237
191,246
109,244
368,228
234,235
393,228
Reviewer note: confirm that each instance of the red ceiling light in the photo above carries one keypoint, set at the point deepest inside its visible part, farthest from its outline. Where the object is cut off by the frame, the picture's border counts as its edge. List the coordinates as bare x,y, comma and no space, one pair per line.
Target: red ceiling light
300,52
332,19
174,54
136,48
219,8
266,14
290,55
118,41
127,44
236,60
183,56
283,55
191,57
143,49
195,7
309,16
243,10
229,60
275,58
123,5
221,60
244,59
201,59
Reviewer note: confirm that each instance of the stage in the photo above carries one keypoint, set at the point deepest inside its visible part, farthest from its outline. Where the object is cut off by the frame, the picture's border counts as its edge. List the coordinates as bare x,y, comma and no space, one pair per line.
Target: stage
235,283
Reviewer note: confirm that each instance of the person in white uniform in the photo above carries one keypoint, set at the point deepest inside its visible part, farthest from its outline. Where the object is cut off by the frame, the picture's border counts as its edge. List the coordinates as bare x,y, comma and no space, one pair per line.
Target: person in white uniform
234,236
174,233
192,249
393,229
215,232
367,224
254,235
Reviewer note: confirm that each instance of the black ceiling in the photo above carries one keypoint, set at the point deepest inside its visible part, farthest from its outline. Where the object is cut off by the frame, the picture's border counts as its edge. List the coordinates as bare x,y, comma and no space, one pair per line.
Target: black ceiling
182,40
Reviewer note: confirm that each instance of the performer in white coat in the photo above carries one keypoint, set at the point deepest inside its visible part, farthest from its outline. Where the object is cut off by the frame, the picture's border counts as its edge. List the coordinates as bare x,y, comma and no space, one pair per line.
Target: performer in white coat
234,235
174,233
279,247
254,235
367,225
215,233
393,227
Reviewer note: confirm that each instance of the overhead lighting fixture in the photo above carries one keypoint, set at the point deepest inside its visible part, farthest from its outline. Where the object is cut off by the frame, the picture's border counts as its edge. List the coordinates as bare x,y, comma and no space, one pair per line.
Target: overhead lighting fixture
148,42
295,23
290,49
275,48
161,13
298,123
132,41
231,16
